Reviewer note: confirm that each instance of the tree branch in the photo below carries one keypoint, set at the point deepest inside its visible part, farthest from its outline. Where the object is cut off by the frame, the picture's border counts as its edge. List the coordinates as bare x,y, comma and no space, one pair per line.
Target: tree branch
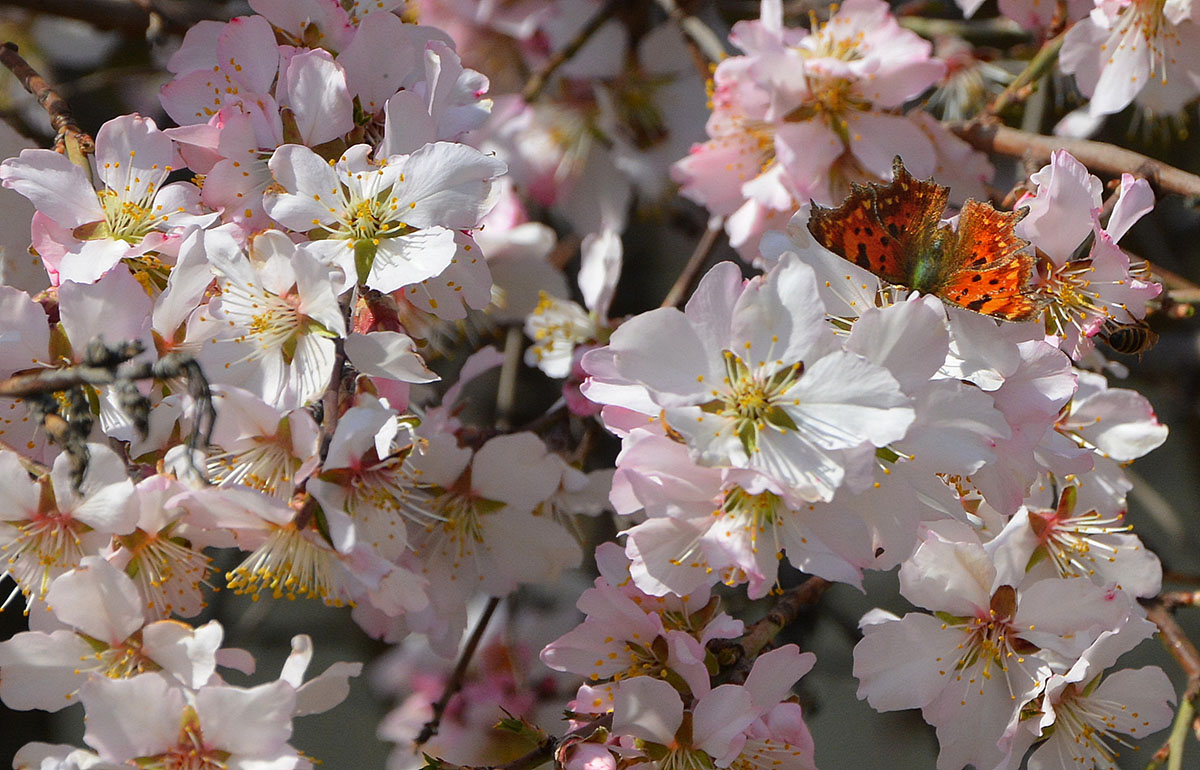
537,83
69,138
1176,641
705,45
691,271
134,15
740,653
456,679
1097,156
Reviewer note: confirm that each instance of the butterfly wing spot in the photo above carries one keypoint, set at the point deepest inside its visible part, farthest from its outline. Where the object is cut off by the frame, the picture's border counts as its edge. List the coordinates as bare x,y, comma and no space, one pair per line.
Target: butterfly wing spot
980,267
887,229
986,270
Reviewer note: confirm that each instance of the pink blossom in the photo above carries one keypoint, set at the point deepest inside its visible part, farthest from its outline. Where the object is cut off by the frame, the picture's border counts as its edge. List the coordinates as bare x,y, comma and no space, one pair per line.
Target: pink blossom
1121,47
1096,286
87,231
748,378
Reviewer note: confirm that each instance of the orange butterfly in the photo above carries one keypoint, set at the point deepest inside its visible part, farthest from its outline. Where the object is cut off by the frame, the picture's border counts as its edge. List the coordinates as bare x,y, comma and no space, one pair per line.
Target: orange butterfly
894,231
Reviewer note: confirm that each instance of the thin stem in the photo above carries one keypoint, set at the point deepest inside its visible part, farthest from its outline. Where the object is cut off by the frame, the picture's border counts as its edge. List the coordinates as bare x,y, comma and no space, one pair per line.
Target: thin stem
1097,156
1171,752
1182,649
1035,106
738,655
133,16
782,614
1040,65
997,32
460,671
506,390
705,45
691,271
1177,643
69,138
1173,599
537,83
331,402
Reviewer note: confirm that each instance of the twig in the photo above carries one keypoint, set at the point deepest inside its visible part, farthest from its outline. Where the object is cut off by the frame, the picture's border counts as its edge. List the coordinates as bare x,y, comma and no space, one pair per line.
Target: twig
537,83
1175,576
331,401
996,32
1097,156
782,614
456,679
691,271
1173,599
1177,643
134,16
1039,65
705,46
1171,752
69,424
506,389
69,138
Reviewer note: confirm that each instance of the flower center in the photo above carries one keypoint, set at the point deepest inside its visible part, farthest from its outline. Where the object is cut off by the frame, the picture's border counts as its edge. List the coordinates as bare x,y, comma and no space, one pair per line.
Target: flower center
290,565
754,399
190,753
1143,23
823,43
166,569
44,548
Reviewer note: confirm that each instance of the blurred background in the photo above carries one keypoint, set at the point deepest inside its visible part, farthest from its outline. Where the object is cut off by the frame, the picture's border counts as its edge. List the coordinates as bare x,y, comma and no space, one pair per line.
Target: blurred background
107,57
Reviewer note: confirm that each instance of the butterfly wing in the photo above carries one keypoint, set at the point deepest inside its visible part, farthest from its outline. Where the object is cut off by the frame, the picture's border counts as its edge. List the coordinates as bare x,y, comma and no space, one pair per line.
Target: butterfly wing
983,268
883,228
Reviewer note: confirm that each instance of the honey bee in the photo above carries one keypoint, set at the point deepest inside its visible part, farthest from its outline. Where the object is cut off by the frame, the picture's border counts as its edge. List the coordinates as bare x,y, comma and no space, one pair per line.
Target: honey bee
1132,339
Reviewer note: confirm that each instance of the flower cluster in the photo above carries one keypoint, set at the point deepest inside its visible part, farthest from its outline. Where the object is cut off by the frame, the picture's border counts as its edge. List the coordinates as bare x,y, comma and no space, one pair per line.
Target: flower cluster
285,335
802,115
816,415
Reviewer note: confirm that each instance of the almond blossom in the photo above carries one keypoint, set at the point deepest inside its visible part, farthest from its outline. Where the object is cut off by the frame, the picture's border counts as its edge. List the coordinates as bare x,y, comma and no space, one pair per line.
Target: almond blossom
1092,281
484,532
51,525
1084,709
261,447
1066,543
99,629
213,724
1119,49
748,378
82,232
387,224
988,651
628,633
719,726
800,116
271,329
